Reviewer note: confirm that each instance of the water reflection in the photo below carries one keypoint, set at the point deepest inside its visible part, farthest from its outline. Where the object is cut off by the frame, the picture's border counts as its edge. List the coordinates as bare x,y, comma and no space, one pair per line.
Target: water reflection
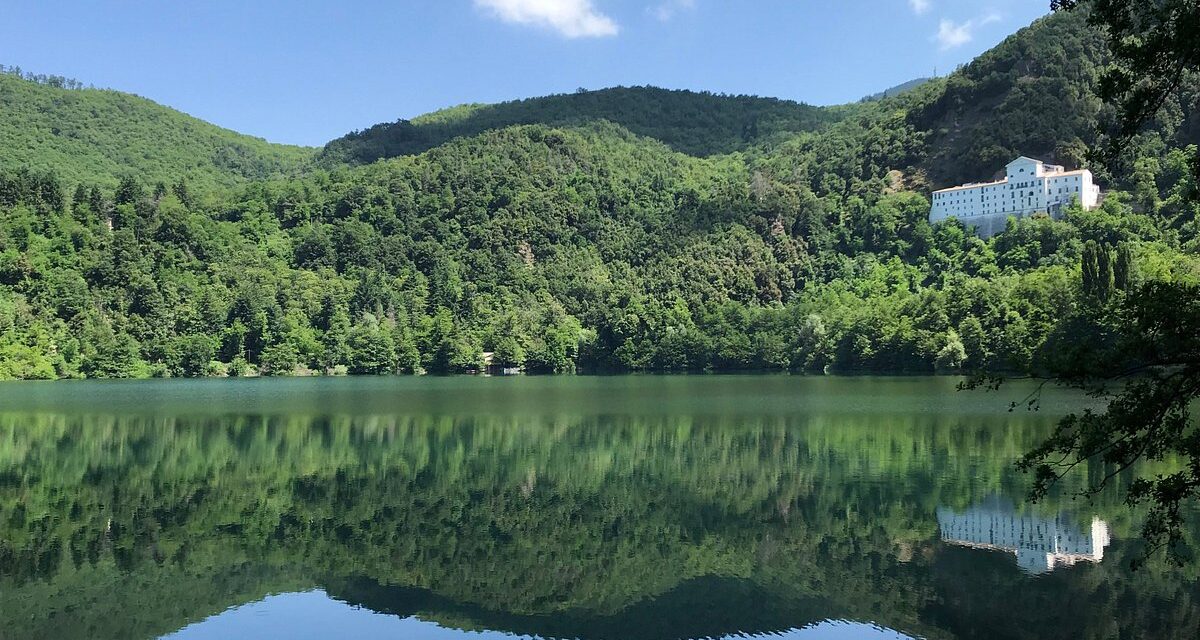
1040,543
626,508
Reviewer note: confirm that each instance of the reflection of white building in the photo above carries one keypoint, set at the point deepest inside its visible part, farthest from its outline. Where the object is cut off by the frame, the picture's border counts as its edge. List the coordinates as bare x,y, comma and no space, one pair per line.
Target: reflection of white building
1040,544
1029,186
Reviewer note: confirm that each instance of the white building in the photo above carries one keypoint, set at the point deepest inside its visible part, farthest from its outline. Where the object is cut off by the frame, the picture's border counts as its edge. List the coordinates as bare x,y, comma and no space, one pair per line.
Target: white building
1040,544
1029,186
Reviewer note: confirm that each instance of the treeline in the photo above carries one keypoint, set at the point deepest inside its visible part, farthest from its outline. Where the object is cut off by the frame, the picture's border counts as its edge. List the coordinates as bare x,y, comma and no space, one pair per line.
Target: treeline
549,250
695,123
58,82
52,124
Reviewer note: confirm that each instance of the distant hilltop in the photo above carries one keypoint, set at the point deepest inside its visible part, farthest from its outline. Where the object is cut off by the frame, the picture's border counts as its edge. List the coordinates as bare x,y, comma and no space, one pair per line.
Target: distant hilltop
901,88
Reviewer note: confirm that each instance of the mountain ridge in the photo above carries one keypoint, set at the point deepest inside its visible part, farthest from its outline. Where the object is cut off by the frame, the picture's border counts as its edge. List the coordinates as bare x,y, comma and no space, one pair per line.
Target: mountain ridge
97,135
697,123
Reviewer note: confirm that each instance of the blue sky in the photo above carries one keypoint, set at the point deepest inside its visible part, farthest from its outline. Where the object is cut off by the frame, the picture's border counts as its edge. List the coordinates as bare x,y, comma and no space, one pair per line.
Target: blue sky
306,71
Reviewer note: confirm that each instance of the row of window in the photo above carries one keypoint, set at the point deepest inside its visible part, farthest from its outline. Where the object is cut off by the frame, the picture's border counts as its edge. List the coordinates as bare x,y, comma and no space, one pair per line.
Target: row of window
1024,185
985,199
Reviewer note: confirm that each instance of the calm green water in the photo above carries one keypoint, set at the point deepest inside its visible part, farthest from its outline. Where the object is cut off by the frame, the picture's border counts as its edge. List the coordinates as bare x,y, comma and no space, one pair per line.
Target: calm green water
633,507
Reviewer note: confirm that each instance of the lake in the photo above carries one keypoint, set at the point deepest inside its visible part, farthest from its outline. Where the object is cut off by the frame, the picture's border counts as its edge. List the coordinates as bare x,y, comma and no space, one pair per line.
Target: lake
623,507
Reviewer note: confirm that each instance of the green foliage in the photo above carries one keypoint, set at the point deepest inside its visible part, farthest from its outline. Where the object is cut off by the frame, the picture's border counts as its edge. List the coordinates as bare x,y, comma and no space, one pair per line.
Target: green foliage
699,124
1135,346
279,359
1098,282
100,136
589,247
371,349
1140,353
1034,94
192,355
953,355
548,514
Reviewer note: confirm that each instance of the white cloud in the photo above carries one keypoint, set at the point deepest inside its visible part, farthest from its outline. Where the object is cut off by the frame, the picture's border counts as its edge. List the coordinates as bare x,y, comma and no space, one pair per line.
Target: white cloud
953,34
667,9
919,6
570,18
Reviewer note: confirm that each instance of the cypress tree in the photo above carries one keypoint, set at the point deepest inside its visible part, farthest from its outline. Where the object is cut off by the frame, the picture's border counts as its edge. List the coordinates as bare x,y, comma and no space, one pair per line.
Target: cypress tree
1104,272
1090,269
1123,268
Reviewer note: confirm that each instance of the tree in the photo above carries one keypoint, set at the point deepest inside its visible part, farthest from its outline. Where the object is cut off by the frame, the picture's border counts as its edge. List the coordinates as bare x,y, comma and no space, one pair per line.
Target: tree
111,354
813,344
1097,272
408,357
193,355
1090,270
337,334
130,191
372,351
1142,356
279,360
1123,268
508,352
953,355
316,249
1155,45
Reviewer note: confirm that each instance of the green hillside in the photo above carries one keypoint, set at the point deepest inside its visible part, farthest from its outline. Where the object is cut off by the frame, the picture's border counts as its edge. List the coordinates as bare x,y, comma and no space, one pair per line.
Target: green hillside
891,92
594,246
95,135
699,124
1034,94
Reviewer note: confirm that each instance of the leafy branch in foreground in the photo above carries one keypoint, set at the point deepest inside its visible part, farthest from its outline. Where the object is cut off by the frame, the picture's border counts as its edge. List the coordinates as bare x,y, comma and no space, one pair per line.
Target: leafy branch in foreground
1142,354
1155,46
1141,351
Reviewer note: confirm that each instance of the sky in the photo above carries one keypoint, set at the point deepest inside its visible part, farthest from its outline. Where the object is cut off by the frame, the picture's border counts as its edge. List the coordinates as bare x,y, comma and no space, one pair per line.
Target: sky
313,614
307,71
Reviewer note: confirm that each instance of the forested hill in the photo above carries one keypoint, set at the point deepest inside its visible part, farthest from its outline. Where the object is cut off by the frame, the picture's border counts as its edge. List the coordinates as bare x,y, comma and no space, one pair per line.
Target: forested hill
903,87
1034,94
97,136
698,124
593,245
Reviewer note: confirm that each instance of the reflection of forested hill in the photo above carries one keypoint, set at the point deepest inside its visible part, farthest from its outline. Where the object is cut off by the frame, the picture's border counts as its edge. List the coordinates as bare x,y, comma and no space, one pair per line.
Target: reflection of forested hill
600,524
698,608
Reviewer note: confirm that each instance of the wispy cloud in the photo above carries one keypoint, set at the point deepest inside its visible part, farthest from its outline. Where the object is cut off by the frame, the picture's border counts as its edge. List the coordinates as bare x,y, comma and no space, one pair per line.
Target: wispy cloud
667,9
919,6
953,34
569,18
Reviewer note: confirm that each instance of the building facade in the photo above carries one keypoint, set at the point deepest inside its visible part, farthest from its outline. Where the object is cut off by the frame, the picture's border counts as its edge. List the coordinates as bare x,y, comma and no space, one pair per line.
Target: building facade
1029,186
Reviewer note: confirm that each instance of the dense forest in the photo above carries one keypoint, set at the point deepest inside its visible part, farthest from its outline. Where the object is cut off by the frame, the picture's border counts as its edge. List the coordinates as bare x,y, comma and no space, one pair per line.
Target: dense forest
698,124
628,229
53,124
